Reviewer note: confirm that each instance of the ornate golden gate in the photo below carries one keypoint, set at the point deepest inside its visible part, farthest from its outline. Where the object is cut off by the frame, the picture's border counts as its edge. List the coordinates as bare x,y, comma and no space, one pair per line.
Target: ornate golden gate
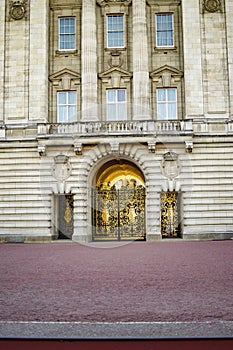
119,214
65,216
170,215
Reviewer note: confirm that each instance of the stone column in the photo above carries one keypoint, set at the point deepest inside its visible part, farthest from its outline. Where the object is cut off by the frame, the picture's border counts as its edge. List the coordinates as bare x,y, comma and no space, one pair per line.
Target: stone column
38,66
192,59
141,93
89,61
229,30
2,56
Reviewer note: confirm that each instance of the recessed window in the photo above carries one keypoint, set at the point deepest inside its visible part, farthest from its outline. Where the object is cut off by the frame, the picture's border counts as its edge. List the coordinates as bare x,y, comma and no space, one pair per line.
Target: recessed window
115,31
166,104
164,30
66,106
67,33
116,105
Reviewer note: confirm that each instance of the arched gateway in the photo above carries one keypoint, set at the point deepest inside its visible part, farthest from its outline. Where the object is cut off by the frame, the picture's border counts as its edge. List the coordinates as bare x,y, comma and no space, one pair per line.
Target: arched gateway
118,202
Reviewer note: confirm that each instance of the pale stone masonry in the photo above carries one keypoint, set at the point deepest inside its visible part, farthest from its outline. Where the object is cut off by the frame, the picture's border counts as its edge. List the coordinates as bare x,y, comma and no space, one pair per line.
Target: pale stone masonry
113,110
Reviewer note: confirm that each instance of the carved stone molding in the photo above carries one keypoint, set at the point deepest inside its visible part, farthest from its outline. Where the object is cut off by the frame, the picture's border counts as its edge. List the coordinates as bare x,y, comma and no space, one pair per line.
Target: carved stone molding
114,77
78,148
18,9
212,5
41,150
189,146
115,59
166,76
61,169
65,79
113,2
170,165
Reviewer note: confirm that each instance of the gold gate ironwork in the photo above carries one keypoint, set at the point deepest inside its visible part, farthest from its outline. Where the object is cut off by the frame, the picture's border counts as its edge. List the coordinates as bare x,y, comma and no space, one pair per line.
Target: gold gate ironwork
65,218
119,214
170,215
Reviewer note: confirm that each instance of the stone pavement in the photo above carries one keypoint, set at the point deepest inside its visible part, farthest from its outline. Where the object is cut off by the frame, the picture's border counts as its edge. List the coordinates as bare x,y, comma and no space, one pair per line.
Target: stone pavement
119,330
161,289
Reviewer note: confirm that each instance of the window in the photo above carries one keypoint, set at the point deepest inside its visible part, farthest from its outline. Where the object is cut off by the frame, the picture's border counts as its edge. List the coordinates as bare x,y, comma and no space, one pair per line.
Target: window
164,30
116,105
67,105
166,104
67,33
115,31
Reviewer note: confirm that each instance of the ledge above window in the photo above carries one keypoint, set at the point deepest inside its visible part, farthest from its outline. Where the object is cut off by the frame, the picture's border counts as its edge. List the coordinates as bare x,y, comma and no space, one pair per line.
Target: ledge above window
67,53
164,49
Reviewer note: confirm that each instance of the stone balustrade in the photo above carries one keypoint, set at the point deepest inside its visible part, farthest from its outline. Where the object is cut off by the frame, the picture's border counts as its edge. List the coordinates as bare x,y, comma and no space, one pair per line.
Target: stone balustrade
116,128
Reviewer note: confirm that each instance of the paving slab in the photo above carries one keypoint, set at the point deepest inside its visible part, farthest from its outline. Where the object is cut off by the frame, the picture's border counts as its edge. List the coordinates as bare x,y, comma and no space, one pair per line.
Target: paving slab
119,330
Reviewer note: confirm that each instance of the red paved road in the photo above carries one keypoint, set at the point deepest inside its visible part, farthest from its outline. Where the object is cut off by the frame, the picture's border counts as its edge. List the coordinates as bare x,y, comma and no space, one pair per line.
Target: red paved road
164,281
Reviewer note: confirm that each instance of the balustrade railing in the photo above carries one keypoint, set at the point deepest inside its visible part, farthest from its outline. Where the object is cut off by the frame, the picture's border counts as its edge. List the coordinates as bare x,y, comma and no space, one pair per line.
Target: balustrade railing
116,127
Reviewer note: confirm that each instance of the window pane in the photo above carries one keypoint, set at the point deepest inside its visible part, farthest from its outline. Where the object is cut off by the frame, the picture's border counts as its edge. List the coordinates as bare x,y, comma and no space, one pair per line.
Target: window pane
171,93
62,114
161,95
72,97
115,35
161,111
67,35
111,95
71,114
169,39
172,111
62,98
164,30
111,112
122,112
121,96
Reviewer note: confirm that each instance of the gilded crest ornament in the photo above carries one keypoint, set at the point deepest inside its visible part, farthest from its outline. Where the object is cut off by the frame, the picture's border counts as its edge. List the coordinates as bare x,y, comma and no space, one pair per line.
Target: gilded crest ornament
212,5
17,9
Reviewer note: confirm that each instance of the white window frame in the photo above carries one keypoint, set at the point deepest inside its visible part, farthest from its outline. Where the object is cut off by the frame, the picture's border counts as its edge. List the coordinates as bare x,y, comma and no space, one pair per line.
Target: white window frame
68,118
166,103
165,30
67,34
109,32
117,104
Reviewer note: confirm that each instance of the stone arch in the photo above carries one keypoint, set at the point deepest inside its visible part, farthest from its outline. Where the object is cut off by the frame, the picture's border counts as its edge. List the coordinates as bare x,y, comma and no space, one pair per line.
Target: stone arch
124,178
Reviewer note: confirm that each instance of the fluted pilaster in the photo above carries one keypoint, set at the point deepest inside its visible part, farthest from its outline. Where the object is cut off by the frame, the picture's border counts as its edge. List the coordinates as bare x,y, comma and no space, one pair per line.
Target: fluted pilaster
89,61
38,62
2,49
140,61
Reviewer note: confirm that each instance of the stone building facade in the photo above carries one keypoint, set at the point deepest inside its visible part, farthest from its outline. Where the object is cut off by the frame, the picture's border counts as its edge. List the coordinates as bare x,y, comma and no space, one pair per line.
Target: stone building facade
116,120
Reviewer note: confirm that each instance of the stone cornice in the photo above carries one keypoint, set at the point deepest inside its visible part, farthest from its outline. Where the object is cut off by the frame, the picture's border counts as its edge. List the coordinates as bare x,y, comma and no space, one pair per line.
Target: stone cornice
61,4
116,70
163,2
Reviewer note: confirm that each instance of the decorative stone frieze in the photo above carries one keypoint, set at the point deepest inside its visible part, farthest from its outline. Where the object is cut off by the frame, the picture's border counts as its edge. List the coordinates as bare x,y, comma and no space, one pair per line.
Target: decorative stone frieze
212,5
18,9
